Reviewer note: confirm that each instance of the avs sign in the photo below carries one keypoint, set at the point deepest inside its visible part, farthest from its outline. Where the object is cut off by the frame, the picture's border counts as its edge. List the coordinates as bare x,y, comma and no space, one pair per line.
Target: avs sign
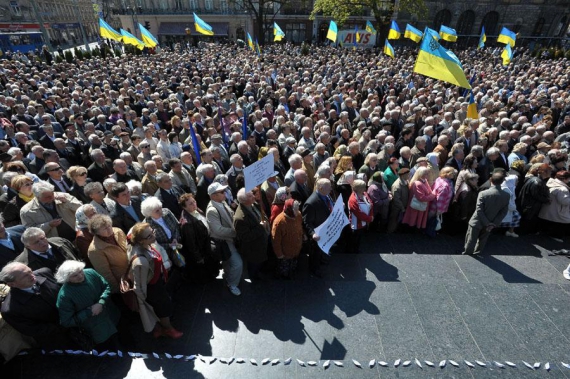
347,38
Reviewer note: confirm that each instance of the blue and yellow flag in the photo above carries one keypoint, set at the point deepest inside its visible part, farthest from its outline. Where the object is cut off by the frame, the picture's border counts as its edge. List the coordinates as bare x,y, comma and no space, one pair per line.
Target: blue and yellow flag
388,49
482,39
507,37
370,27
333,31
413,33
472,107
507,54
277,32
202,27
107,31
394,32
430,32
147,38
130,39
447,34
439,63
257,47
250,42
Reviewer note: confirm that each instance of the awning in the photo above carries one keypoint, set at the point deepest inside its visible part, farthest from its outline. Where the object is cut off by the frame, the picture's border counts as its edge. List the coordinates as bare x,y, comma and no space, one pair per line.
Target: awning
179,28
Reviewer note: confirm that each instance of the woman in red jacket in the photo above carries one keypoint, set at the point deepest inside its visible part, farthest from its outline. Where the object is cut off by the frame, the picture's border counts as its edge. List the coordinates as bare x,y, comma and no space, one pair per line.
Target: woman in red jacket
360,210
421,196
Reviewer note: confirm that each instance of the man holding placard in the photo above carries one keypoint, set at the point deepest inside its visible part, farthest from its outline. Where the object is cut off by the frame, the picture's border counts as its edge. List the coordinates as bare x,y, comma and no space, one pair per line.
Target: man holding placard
316,210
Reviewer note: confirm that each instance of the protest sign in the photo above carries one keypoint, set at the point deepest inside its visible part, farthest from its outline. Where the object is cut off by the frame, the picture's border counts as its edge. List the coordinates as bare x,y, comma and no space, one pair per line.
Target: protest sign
258,172
330,230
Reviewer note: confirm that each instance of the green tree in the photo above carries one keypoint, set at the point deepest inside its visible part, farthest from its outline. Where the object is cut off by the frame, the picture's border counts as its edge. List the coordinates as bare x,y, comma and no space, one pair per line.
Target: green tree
263,12
382,10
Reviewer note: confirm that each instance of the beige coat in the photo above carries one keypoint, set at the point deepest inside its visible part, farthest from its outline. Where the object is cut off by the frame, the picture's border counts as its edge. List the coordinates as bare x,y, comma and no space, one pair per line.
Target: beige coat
558,210
110,261
33,214
149,184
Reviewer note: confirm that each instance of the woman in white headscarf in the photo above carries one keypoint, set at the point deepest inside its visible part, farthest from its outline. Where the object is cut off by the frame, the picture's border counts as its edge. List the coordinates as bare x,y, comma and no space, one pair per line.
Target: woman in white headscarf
83,237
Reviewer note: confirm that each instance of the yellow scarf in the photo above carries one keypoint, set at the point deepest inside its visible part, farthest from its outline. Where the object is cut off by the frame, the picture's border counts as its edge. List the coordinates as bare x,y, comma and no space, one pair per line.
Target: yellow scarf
25,198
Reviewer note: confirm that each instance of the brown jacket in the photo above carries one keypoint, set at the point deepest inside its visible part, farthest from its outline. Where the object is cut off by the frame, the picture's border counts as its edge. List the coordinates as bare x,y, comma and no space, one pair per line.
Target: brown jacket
110,261
287,236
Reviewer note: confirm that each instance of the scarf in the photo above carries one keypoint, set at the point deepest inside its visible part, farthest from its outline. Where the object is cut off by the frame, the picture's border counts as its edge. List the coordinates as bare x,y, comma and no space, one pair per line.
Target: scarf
27,199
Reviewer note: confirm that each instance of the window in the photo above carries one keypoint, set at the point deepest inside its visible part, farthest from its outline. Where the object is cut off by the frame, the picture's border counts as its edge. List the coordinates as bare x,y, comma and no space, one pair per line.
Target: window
209,4
561,28
296,32
538,27
443,17
465,23
224,5
490,22
178,4
193,4
15,7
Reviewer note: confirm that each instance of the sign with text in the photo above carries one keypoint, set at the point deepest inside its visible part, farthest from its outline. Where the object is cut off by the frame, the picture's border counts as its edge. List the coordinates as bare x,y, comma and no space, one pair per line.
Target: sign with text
258,172
330,230
347,38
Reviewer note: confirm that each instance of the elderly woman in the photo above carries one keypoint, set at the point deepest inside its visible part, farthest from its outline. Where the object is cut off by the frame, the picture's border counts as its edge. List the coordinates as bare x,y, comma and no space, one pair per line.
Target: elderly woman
464,204
102,204
281,195
287,238
443,191
391,172
344,165
53,212
175,146
135,189
108,250
380,196
400,195
83,301
469,166
23,186
78,176
421,196
149,277
360,210
83,237
344,185
370,166
165,224
555,216
512,219
519,151
195,240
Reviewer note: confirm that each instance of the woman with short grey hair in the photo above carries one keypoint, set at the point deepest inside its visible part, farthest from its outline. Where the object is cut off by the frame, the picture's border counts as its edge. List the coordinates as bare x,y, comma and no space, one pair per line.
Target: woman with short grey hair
83,301
164,223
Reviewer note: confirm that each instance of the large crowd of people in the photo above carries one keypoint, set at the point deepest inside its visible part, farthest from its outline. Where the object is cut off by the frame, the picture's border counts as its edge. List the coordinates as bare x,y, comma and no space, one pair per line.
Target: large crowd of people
123,177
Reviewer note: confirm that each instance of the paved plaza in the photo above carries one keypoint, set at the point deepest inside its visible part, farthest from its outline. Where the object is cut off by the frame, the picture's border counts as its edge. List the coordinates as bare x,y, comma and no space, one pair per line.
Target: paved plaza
405,297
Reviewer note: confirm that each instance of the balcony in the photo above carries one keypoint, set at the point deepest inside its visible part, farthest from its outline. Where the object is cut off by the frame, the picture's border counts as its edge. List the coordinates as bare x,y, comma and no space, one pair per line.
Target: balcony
178,11
296,11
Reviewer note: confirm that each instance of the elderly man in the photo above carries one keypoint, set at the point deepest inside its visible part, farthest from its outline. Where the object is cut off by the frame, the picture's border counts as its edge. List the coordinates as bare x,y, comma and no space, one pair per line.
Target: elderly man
149,184
316,210
56,177
101,167
53,212
300,189
30,306
236,169
168,194
41,251
296,163
127,210
10,245
202,197
180,177
221,225
133,166
122,173
96,193
252,232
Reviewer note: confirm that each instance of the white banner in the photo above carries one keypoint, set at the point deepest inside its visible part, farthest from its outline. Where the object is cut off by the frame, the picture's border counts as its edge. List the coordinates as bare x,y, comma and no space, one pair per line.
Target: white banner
347,38
258,172
330,230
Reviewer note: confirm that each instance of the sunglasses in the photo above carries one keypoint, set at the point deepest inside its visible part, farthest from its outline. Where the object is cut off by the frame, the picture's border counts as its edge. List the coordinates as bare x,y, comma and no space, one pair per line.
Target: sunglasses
150,235
144,147
55,169
82,174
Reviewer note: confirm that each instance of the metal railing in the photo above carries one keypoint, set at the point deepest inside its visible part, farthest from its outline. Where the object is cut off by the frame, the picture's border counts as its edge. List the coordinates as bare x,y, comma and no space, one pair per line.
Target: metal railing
183,10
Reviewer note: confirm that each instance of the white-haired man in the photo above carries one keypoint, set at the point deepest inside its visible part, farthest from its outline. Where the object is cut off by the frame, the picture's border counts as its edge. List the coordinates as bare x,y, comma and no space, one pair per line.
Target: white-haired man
41,251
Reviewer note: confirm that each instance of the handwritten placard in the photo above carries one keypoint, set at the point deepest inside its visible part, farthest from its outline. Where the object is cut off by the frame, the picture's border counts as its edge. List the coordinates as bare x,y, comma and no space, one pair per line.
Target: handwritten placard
330,230
258,172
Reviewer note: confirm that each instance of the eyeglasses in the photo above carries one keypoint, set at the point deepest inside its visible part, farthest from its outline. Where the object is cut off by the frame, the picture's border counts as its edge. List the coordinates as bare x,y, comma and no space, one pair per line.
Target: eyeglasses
144,147
28,184
82,174
55,169
150,235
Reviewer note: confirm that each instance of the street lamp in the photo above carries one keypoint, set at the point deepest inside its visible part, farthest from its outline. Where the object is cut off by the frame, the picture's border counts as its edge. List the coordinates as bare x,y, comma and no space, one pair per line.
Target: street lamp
133,13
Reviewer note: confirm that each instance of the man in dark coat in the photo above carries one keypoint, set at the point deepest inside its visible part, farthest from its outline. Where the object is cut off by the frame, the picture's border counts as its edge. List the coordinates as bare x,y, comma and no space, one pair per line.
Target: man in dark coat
128,209
202,197
316,210
30,307
101,167
42,252
169,194
10,245
298,188
492,207
252,233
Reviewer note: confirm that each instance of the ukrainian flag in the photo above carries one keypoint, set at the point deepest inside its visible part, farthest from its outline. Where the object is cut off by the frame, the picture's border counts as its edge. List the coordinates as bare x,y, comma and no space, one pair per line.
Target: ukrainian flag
388,49
507,54
507,37
413,33
147,38
472,107
202,27
439,63
482,39
130,39
447,34
433,33
107,31
257,47
250,42
370,27
277,32
333,31
394,32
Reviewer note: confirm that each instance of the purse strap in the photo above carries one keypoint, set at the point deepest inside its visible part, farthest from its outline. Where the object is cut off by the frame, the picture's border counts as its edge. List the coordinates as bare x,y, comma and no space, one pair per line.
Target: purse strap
130,264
